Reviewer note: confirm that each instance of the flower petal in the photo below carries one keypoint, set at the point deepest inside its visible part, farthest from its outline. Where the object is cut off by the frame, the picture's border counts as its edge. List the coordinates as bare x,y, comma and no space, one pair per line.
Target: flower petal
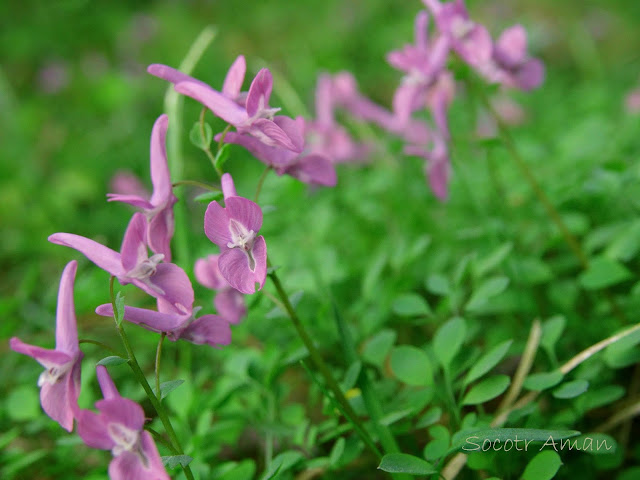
132,200
228,188
130,466
160,231
221,106
107,386
123,411
235,76
103,257
234,266
93,430
293,129
44,356
160,178
271,134
314,169
176,285
60,399
134,247
272,156
149,319
216,225
259,92
244,211
208,329
171,74
208,274
66,329
230,305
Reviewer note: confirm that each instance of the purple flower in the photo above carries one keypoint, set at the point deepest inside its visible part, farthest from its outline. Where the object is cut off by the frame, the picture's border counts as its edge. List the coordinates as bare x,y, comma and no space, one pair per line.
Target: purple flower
308,167
159,208
133,265
119,427
510,63
252,116
234,228
60,381
323,134
177,323
228,301
470,40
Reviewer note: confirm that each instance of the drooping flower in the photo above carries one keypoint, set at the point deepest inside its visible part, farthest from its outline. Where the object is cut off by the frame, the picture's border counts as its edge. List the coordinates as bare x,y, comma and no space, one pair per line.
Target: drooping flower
437,166
133,265
119,427
234,228
252,115
308,167
511,64
228,301
177,323
60,382
159,208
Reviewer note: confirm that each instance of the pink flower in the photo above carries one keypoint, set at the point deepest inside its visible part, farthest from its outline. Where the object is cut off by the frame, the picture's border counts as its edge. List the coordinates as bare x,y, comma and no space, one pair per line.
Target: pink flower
133,265
437,167
234,228
228,301
252,115
308,167
119,427
60,381
510,63
159,208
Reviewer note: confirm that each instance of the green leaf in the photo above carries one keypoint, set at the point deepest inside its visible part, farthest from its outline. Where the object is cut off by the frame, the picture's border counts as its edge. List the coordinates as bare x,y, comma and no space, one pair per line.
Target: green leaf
208,197
119,313
196,137
172,461
571,389
543,466
487,289
438,284
282,463
430,417
222,156
167,387
492,260
411,365
448,339
594,443
542,381
351,375
486,390
410,305
623,352
486,362
378,347
439,445
471,441
336,452
603,272
404,463
240,471
551,331
112,361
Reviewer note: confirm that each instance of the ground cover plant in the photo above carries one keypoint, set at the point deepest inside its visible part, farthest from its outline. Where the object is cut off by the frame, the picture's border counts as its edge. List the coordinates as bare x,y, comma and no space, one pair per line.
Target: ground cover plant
326,253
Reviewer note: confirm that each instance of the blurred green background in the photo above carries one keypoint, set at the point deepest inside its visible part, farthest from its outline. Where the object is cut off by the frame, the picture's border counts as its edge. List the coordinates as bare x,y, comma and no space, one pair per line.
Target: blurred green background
76,106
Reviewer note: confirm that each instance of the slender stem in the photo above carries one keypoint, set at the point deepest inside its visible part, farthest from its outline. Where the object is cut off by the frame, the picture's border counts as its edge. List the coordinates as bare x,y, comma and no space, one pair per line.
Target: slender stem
195,183
224,134
619,417
161,439
524,367
265,172
206,148
315,354
158,357
139,374
100,344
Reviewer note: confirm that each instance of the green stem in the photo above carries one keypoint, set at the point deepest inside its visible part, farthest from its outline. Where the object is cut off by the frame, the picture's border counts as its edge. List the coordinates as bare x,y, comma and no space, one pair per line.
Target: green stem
222,136
139,374
315,355
161,439
196,184
158,356
260,182
100,344
451,397
206,148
